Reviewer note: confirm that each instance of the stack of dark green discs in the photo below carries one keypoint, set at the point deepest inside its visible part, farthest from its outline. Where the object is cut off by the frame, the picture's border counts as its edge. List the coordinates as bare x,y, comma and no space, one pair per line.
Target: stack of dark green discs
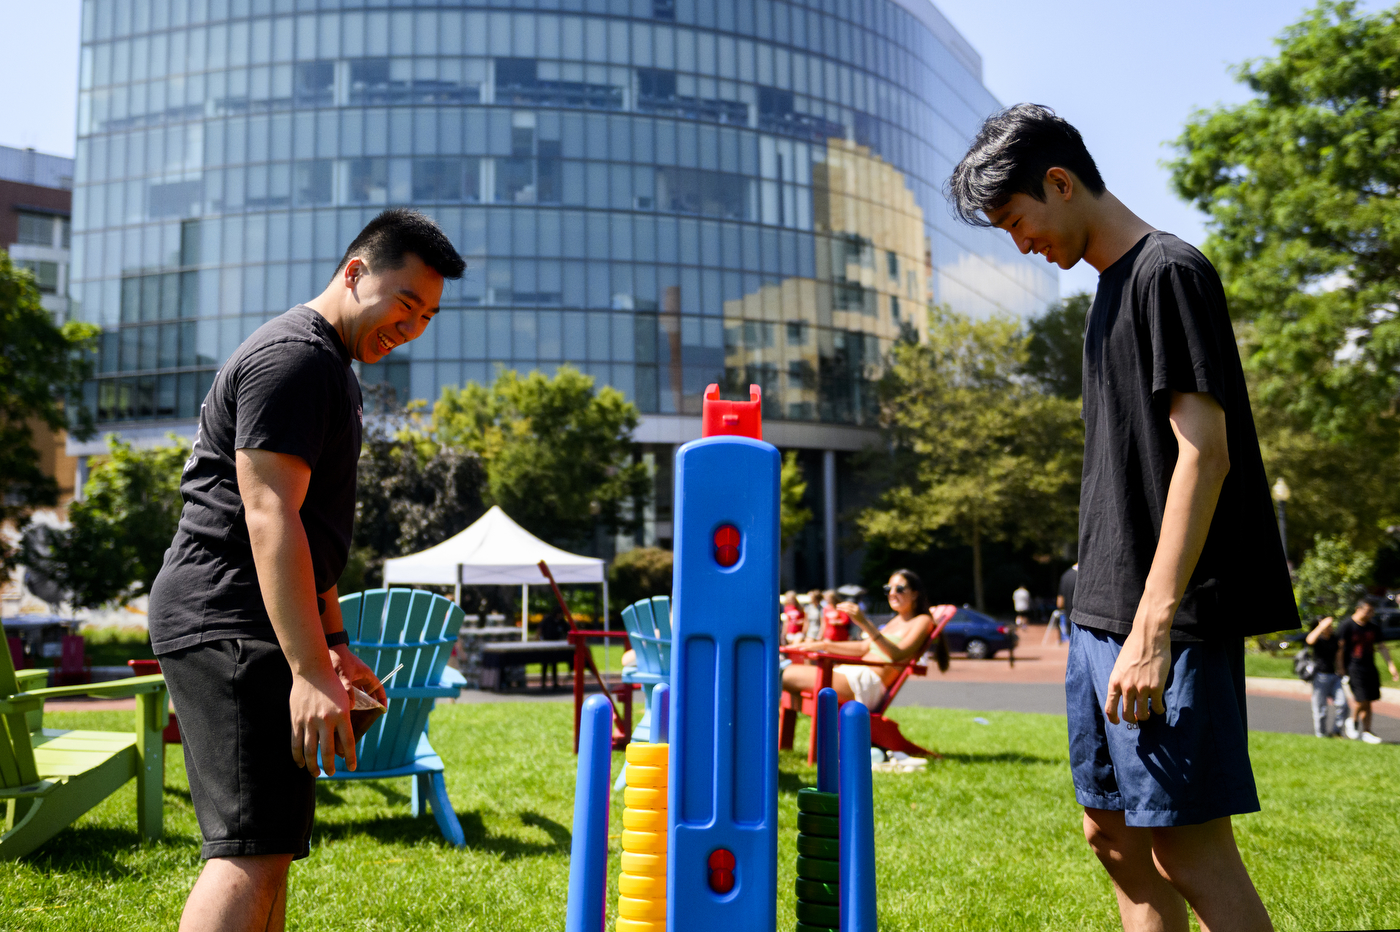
818,861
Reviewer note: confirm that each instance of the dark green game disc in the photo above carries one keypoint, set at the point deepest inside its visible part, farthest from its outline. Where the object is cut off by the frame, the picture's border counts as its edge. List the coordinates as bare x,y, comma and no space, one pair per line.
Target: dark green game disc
824,826
810,800
810,846
819,870
819,914
814,891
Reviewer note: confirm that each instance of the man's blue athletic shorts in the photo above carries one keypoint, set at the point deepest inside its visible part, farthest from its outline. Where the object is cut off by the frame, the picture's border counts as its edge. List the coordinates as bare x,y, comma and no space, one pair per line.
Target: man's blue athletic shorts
1184,768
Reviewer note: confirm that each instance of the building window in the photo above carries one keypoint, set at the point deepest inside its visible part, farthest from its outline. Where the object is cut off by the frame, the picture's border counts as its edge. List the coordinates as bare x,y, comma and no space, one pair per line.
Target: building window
369,181
518,82
315,84
35,229
45,274
447,179
656,93
712,194
892,264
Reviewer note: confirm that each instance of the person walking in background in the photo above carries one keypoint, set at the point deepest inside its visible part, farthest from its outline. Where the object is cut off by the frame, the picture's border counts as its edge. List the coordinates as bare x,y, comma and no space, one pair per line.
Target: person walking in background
1327,681
814,616
1021,602
836,624
1358,640
1064,604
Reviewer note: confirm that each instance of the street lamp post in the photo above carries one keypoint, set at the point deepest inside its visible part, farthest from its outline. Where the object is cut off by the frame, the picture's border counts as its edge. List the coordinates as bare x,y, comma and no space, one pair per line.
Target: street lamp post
1281,495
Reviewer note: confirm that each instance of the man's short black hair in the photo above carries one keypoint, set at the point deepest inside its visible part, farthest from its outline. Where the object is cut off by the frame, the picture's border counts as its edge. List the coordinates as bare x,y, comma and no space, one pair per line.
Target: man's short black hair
386,239
1011,154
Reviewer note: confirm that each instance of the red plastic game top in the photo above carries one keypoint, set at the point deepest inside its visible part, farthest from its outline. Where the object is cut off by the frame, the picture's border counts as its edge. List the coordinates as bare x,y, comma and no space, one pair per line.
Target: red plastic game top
735,418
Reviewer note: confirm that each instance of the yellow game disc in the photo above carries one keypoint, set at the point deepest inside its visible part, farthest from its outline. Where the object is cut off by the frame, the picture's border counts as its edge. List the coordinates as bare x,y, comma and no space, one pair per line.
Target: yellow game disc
634,908
638,775
642,886
644,842
645,797
644,820
649,755
641,925
640,862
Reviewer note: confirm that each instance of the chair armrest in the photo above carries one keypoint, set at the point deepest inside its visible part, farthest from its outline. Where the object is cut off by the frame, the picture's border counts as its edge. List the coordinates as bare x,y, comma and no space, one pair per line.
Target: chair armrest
20,703
114,689
452,677
421,692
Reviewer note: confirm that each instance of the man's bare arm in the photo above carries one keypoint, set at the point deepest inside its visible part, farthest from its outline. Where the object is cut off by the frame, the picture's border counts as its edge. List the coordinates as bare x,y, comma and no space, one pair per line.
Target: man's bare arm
273,487
1321,629
1203,460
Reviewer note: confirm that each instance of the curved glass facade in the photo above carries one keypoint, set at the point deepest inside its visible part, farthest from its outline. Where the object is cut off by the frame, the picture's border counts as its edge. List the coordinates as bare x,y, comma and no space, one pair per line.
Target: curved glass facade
663,193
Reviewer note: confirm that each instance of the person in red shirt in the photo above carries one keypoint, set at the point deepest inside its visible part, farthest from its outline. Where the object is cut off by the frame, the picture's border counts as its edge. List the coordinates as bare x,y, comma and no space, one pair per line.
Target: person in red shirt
836,624
794,619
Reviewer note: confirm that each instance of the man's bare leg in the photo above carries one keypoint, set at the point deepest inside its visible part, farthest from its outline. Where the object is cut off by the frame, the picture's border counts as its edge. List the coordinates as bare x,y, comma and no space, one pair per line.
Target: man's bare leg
240,894
1203,863
1146,901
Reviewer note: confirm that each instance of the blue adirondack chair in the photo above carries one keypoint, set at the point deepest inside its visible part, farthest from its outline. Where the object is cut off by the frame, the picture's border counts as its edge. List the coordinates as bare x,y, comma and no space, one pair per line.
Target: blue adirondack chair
388,627
648,624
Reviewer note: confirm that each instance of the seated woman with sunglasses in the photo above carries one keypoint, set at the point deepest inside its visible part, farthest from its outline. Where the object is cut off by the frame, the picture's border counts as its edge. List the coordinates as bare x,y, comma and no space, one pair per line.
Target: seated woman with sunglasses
903,637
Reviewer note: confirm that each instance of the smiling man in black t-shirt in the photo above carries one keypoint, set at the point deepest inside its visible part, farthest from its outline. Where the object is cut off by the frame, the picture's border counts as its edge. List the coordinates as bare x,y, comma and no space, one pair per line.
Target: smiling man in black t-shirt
1179,557
243,614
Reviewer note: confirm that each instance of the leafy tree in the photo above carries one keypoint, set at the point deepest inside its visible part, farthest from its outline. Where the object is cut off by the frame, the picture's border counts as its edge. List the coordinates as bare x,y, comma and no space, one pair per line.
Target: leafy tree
1055,350
640,573
41,367
793,515
978,450
1333,576
558,452
409,496
1300,184
121,529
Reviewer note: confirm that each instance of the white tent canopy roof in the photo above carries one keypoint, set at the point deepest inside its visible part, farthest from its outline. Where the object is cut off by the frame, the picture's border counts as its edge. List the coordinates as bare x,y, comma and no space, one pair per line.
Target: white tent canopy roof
493,551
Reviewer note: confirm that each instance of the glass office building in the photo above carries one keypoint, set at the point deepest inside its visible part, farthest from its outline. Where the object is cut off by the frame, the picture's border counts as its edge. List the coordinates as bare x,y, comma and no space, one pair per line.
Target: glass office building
662,193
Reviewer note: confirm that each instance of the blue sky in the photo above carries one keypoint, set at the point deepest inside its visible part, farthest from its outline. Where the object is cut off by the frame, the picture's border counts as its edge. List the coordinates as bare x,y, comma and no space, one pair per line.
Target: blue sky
1128,74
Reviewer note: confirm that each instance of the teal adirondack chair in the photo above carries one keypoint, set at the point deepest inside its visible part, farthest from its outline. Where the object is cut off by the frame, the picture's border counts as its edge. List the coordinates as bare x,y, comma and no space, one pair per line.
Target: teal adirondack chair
388,627
48,777
648,624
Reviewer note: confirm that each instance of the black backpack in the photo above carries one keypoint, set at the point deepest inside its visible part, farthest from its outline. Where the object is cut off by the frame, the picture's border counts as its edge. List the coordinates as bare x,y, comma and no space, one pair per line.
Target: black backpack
1305,665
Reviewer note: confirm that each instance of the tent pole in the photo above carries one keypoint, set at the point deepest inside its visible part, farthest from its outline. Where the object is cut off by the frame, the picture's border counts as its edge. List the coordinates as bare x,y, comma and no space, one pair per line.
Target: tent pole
524,612
457,589
606,641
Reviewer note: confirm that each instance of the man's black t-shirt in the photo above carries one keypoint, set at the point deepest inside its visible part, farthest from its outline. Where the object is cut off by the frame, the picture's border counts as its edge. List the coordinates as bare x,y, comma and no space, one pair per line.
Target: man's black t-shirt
1158,325
288,389
1067,581
1358,644
1325,654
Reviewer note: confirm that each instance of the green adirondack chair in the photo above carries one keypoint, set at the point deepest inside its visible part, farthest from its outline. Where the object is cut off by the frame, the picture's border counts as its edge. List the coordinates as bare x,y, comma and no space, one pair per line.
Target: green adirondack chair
48,778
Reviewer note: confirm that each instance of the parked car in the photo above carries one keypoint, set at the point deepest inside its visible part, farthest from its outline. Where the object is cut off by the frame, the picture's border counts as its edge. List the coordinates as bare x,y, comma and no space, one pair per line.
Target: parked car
979,636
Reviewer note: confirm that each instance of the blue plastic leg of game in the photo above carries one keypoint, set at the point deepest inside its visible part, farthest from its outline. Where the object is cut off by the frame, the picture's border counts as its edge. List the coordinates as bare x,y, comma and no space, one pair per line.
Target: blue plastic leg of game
827,767
660,713
588,859
857,826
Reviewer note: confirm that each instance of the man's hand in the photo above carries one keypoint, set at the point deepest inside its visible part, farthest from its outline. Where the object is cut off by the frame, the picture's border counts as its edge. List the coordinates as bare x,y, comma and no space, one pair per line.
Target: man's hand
1139,677
355,672
320,709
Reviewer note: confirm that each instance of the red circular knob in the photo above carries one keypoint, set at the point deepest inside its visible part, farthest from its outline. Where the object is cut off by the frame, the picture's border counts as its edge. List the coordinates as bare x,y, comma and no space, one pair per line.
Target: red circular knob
727,545
721,866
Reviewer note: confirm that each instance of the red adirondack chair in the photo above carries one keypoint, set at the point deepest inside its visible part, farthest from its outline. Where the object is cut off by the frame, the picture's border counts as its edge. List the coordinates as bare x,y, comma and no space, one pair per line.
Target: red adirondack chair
17,657
171,734
884,732
73,668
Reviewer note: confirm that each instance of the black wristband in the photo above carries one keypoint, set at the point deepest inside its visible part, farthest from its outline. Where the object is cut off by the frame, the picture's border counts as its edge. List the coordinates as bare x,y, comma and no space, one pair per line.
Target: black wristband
336,638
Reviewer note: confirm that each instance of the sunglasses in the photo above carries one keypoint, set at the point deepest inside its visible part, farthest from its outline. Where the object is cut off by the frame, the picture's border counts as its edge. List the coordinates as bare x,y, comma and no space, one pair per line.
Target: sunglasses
899,589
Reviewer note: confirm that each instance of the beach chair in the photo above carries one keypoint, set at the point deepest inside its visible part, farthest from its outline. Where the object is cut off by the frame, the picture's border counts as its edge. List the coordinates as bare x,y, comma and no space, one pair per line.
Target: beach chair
388,627
50,777
884,732
73,666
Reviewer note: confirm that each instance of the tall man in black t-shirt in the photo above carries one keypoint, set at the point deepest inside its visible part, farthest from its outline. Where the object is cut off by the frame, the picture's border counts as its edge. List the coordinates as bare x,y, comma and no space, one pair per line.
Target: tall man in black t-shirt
1179,557
244,615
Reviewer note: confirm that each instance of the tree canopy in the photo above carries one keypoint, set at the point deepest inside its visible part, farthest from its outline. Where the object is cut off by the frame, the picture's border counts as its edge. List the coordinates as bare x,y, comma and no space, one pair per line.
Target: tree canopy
122,527
793,515
1300,184
1055,348
557,451
41,367
979,449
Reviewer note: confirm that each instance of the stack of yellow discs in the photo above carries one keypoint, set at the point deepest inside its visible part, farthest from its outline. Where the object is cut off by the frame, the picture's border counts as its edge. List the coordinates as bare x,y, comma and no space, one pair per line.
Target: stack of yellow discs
641,904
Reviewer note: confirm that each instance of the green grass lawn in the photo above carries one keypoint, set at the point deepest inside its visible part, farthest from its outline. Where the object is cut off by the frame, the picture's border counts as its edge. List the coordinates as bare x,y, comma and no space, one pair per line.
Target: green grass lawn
1261,664
987,839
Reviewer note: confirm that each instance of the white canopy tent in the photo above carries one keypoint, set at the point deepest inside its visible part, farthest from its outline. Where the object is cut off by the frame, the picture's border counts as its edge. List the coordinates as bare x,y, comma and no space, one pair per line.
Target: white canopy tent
496,551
